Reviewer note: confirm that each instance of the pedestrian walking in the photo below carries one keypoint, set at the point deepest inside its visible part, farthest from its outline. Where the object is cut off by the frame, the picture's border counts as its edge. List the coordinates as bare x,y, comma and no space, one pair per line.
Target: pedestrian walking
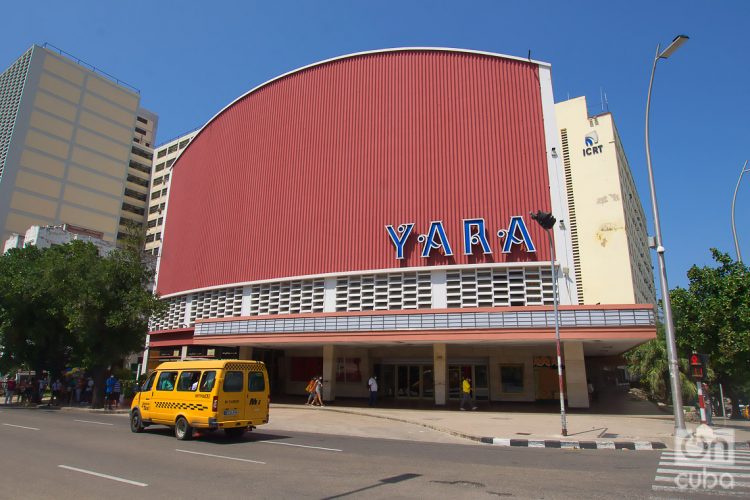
109,386
372,384
117,390
10,389
56,389
310,389
466,402
318,392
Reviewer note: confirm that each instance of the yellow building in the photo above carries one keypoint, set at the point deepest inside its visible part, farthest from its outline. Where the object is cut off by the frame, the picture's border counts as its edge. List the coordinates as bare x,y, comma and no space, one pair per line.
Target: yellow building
607,223
75,147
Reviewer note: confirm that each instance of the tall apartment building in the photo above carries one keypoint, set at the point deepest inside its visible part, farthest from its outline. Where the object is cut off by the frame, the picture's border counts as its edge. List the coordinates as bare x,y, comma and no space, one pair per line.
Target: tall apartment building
164,158
607,223
75,147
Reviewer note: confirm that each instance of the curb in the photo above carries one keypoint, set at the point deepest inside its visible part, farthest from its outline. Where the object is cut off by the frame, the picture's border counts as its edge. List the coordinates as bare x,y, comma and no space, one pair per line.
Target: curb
598,444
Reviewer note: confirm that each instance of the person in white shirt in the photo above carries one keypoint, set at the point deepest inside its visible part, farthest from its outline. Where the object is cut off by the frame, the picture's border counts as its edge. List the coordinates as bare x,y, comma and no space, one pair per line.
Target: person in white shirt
373,386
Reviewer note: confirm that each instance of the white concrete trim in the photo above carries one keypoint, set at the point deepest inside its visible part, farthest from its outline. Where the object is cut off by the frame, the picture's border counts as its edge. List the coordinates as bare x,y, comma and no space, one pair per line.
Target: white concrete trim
394,270
568,294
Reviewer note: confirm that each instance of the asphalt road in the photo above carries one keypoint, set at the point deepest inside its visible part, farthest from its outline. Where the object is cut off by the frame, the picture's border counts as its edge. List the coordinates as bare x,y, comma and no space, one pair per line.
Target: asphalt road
72,455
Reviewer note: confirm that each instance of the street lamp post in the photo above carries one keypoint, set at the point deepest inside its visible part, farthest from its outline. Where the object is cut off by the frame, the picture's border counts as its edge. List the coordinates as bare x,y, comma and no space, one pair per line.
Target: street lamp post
547,221
674,369
734,198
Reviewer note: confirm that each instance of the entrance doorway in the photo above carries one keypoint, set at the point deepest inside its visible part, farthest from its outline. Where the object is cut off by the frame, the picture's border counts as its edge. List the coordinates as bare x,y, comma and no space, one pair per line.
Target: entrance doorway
272,359
407,381
479,380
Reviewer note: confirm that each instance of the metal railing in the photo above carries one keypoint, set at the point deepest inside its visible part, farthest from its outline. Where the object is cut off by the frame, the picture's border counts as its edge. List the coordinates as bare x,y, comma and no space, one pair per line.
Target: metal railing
91,67
510,320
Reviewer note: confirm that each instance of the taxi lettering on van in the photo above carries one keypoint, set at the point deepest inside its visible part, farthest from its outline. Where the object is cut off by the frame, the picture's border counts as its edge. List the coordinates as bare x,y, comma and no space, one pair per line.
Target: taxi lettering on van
177,395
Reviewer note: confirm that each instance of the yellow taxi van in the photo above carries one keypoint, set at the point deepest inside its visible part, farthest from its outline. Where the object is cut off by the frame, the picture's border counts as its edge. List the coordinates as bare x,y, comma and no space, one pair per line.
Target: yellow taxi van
232,395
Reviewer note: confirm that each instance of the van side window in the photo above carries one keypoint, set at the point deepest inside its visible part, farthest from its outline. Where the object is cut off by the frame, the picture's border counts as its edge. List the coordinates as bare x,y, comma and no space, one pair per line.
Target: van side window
188,381
166,381
148,384
233,382
256,382
207,384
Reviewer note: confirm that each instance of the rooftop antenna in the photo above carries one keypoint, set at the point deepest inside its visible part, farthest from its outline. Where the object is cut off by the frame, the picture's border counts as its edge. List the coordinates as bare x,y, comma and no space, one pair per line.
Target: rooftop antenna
603,97
529,56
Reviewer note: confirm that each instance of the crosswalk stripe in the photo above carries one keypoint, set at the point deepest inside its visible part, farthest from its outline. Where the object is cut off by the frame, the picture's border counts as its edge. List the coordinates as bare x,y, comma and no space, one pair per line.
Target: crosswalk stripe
678,471
707,465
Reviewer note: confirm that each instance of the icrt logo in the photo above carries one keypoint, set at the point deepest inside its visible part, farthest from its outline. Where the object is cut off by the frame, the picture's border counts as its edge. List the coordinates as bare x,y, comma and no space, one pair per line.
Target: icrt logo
591,140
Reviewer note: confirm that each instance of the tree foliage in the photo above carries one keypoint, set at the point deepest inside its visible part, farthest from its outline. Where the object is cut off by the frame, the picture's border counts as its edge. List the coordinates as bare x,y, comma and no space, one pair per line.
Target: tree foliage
67,305
648,362
712,316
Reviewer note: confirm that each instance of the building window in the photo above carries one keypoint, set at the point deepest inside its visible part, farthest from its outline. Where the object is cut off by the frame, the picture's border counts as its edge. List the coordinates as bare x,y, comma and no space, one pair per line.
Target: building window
170,163
152,223
149,238
135,194
140,131
184,143
137,180
142,153
142,120
139,167
159,167
164,192
162,153
133,209
172,148
511,378
158,236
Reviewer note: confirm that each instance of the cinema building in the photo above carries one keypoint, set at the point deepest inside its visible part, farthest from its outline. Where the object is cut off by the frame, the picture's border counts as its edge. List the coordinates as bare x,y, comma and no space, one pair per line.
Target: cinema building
369,214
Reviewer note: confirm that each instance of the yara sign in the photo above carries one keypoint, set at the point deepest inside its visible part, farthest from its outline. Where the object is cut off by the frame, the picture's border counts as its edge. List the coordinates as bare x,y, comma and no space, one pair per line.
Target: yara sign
475,235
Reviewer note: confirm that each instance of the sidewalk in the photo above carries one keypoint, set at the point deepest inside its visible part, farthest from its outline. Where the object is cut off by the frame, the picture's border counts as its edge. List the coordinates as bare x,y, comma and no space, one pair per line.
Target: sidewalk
517,428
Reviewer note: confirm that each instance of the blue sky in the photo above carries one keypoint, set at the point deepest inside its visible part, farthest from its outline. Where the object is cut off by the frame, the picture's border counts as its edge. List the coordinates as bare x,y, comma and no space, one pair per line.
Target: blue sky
190,59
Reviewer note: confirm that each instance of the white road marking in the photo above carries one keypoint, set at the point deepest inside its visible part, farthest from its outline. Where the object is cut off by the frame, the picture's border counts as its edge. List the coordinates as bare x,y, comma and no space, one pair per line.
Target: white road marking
92,422
105,476
22,427
222,456
301,446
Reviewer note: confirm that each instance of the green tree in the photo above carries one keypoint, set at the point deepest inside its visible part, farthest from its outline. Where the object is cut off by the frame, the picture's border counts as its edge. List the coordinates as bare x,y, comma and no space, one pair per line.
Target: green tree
97,308
649,363
712,316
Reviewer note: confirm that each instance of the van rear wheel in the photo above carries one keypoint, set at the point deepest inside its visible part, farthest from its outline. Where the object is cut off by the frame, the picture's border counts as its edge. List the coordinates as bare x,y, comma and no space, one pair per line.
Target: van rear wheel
235,432
136,423
182,429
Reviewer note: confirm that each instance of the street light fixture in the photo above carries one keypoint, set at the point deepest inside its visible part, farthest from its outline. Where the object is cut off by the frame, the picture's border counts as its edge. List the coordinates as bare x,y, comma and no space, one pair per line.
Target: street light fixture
734,198
674,369
547,221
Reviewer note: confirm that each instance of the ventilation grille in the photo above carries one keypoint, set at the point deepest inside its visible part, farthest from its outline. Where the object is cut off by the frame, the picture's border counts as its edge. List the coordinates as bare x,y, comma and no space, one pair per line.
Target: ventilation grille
572,213
503,287
11,88
173,318
288,297
216,304
379,292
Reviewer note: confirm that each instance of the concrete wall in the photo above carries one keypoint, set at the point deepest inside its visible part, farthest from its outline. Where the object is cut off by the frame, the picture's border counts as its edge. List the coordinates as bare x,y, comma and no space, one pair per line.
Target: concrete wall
68,158
604,256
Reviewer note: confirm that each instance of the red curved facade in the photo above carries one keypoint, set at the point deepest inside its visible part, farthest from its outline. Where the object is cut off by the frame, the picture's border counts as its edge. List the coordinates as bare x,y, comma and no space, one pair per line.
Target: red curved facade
301,176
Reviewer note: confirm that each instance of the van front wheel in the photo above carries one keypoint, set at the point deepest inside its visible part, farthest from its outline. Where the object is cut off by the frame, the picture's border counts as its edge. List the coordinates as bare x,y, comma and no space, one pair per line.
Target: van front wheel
182,429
